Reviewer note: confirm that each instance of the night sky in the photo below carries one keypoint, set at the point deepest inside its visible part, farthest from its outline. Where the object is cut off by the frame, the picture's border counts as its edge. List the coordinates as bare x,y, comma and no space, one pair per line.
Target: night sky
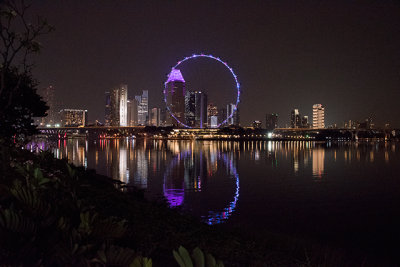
286,54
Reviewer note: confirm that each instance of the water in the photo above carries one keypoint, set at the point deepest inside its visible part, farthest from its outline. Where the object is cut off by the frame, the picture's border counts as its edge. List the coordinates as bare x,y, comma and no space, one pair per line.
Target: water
342,193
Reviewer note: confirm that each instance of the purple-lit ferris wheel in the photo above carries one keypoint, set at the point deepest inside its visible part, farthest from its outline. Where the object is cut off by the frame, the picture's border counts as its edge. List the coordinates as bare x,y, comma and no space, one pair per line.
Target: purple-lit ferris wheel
173,75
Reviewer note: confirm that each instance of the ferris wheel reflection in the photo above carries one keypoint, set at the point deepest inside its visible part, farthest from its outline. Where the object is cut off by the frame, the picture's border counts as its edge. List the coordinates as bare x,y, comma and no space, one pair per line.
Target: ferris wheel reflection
188,173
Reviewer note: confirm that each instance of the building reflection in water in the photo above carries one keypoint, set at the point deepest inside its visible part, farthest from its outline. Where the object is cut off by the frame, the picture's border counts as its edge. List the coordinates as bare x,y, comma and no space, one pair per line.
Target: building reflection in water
74,150
318,162
182,171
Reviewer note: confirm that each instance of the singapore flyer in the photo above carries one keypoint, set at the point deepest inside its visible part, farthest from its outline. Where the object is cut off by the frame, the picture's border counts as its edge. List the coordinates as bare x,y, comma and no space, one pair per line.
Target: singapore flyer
176,98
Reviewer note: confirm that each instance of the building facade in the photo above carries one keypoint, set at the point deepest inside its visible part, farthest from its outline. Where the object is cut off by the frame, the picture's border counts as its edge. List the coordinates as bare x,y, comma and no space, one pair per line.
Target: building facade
155,117
318,116
143,108
304,122
295,119
212,110
107,110
118,102
190,108
73,117
132,112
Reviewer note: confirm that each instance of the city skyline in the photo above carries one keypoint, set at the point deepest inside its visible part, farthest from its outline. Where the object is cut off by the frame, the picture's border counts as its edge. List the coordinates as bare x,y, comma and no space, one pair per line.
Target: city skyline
287,55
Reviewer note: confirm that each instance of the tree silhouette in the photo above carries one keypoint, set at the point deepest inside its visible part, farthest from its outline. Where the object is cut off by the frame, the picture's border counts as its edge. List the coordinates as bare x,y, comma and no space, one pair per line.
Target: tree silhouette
19,101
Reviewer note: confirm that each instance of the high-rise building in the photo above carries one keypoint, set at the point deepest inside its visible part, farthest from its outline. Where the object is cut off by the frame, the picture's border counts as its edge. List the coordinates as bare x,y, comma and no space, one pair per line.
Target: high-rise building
73,117
295,119
201,109
175,95
304,122
107,111
190,108
212,110
132,112
213,121
48,95
123,105
318,116
163,117
222,116
143,107
234,120
155,117
118,102
271,121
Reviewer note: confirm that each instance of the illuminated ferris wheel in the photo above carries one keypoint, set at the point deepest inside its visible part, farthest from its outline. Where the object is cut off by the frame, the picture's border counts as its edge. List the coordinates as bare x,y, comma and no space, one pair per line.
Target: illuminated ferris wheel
174,92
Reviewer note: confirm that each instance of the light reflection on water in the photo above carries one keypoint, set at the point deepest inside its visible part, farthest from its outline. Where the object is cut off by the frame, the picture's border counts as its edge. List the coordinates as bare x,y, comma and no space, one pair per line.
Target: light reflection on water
203,176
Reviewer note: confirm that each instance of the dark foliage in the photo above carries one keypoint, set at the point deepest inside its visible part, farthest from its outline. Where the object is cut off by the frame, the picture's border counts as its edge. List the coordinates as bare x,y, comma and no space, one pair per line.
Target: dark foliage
19,103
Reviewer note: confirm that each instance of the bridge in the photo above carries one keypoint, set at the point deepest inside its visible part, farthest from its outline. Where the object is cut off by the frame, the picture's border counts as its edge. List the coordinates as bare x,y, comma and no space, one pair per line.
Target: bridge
91,131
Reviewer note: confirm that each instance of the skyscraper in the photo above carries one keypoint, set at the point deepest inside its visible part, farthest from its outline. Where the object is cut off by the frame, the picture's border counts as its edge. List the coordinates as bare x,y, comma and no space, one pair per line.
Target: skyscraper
295,119
143,107
201,109
175,95
123,105
304,122
107,111
118,103
318,116
212,110
132,112
190,108
234,120
271,121
155,116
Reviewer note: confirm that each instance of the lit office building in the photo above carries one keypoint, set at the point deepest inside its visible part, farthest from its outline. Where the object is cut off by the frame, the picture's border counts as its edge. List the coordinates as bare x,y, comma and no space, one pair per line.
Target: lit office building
212,110
118,102
108,110
143,108
155,116
163,117
318,116
190,108
214,121
271,121
295,119
132,112
73,117
201,109
304,122
175,96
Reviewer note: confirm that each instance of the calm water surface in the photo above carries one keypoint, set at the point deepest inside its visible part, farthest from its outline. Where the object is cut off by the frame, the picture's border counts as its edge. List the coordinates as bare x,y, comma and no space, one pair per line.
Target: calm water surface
344,192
